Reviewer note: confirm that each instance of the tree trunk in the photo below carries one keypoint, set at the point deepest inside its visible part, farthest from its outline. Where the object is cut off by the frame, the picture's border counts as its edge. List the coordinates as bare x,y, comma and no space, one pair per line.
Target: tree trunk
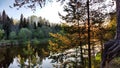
89,47
112,47
118,19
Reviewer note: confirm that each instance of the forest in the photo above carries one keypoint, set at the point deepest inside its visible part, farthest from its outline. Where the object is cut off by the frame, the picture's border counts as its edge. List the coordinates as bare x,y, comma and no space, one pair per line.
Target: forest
89,37
26,29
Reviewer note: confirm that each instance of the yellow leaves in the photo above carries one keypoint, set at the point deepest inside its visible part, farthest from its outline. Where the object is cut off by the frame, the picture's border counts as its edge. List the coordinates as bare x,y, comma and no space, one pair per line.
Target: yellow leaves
64,40
53,46
61,42
44,52
19,56
61,38
20,59
34,59
29,51
112,22
28,46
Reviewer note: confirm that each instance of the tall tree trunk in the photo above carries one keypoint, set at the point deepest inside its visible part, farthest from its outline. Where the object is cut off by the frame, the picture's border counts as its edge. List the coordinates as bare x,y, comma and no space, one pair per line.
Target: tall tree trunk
118,19
89,48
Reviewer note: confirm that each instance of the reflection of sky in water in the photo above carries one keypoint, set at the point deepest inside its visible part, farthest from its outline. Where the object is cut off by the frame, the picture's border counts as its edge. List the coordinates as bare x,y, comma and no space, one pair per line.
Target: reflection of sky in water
46,63
15,63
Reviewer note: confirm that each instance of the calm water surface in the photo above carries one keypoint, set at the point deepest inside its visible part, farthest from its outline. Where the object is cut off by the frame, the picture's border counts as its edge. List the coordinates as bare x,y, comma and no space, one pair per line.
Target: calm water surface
18,56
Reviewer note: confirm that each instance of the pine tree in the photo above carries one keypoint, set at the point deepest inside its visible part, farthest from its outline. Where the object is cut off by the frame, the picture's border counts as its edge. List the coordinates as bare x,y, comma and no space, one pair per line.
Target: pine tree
6,24
21,22
4,16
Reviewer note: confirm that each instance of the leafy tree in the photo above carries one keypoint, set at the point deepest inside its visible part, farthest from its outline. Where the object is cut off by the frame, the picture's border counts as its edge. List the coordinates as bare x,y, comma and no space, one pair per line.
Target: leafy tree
12,35
46,30
60,43
65,39
38,33
111,28
25,34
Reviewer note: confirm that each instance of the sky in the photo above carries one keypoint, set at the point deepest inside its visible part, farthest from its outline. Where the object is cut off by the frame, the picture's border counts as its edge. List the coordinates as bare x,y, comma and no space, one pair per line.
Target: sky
50,11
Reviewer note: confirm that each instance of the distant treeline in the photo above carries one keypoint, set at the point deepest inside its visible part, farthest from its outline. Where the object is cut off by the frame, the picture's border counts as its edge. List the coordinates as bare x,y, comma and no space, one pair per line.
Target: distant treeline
26,28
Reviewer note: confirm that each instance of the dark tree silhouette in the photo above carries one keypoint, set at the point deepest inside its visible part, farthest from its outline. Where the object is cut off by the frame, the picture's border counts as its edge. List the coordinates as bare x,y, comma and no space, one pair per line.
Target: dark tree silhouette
4,16
6,22
112,47
21,22
35,25
39,24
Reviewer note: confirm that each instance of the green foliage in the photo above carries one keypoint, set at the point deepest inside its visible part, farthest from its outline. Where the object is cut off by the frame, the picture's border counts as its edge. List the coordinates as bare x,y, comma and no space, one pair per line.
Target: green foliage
32,57
1,33
28,51
98,57
111,28
12,35
25,34
1,26
46,30
35,41
63,40
38,33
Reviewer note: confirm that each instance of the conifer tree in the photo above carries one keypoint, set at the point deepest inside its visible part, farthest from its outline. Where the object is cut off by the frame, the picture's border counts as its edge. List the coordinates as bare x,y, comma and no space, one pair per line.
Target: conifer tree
6,22
21,21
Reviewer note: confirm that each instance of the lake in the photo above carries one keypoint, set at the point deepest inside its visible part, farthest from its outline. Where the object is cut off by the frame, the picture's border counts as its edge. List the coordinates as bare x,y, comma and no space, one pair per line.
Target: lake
24,56
36,56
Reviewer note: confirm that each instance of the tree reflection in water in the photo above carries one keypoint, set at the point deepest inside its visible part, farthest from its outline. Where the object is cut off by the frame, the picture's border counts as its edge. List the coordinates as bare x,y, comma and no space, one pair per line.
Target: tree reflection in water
30,59
5,57
27,56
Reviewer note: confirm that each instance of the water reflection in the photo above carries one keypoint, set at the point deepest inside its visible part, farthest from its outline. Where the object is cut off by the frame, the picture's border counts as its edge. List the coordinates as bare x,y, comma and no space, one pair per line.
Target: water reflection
36,56
5,57
46,63
24,56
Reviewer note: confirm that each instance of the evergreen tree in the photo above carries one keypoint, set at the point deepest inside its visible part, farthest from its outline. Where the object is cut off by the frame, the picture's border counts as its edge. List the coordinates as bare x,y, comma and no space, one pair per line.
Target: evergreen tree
35,25
6,24
4,16
21,22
